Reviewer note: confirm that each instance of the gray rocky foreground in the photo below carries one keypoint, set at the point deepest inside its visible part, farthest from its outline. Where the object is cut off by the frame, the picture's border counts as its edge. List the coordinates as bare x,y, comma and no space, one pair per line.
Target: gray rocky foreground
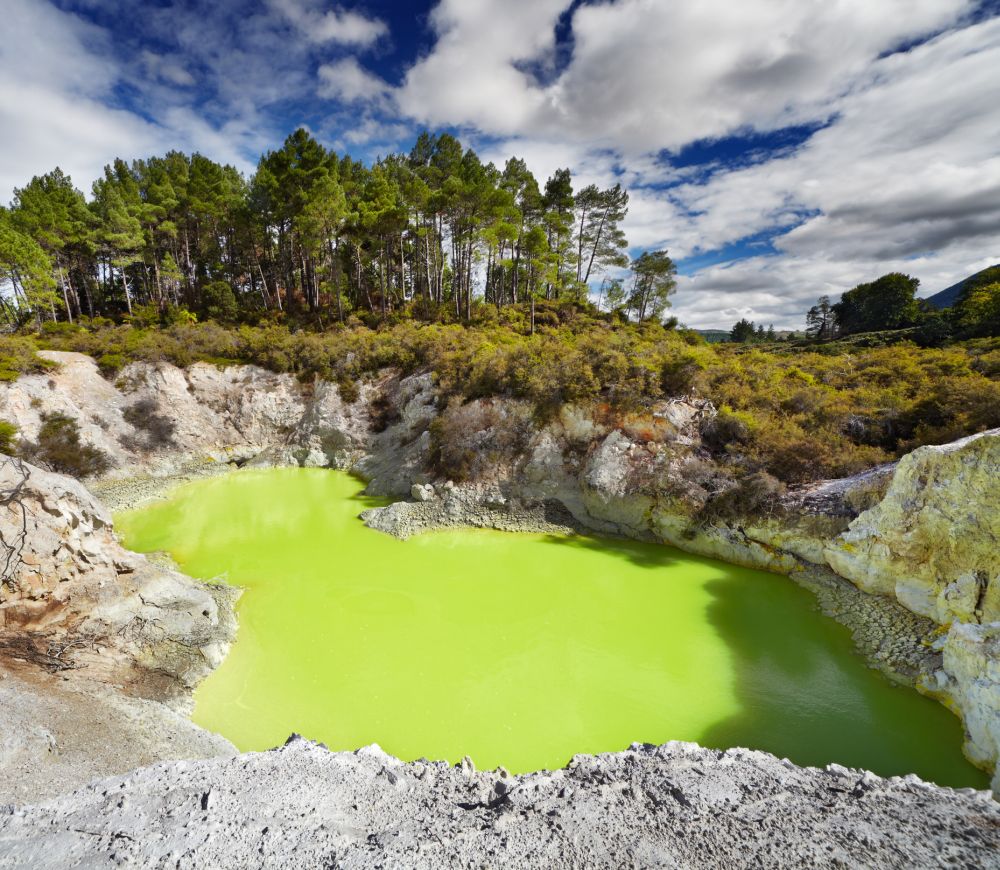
675,805
58,732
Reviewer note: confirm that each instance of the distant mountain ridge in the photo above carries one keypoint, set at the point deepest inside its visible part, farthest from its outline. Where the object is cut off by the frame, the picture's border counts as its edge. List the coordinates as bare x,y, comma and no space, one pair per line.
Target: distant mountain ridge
949,296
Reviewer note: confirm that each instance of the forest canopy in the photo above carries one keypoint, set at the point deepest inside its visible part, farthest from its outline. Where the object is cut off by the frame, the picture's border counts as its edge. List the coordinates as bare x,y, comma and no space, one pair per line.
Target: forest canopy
318,237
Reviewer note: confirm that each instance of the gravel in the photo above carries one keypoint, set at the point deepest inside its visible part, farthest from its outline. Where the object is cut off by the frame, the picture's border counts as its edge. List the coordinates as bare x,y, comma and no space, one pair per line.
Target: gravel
675,805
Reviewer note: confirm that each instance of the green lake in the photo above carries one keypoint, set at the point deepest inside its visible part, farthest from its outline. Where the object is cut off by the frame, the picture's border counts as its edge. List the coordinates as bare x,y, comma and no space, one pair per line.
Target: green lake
518,650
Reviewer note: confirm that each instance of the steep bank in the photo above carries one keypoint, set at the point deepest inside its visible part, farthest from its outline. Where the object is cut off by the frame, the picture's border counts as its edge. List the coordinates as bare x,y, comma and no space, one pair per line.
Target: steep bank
645,475
99,647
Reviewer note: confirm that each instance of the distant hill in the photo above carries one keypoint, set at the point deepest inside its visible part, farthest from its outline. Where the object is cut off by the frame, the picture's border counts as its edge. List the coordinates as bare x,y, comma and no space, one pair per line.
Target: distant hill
713,336
949,296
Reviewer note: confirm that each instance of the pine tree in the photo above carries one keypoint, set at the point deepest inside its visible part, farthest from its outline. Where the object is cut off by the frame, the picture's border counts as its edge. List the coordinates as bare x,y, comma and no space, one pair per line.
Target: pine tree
820,320
652,283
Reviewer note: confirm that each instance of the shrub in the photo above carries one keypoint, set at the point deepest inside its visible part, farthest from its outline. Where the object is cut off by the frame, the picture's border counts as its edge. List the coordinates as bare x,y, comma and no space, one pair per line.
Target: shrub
978,311
8,438
478,439
59,448
144,415
758,494
348,390
793,411
681,374
19,357
726,428
110,364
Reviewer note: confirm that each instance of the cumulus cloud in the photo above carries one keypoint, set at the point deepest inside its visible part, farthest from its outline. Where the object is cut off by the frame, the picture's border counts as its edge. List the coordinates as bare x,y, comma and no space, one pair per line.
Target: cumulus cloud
647,75
903,174
54,79
472,76
58,105
342,26
348,81
907,178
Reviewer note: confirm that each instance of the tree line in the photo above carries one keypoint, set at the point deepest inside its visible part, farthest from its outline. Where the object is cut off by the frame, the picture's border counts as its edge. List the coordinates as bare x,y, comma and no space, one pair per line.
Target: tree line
890,303
317,237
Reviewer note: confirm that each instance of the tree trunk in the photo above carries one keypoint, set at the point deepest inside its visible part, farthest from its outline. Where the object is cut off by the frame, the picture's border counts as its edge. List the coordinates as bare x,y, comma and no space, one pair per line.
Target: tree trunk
62,282
128,294
597,241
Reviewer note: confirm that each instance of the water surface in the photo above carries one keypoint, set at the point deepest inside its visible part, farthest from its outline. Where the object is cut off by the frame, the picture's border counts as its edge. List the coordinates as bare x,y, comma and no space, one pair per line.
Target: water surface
519,650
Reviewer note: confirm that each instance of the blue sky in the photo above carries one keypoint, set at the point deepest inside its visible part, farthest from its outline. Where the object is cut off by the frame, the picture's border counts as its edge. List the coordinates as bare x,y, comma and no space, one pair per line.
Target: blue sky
780,149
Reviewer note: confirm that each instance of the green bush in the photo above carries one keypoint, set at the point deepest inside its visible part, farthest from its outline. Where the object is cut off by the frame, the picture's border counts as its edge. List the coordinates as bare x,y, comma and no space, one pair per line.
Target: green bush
18,356
59,448
796,412
111,363
8,438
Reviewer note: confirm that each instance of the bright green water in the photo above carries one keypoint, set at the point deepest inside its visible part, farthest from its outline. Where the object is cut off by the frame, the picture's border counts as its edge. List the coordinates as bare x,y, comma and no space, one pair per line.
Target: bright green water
518,650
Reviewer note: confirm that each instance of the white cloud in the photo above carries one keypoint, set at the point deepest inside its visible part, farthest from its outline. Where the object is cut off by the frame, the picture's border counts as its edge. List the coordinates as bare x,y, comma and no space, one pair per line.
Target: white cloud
472,77
166,69
53,81
373,133
53,49
907,178
341,26
41,123
906,175
57,75
348,81
648,75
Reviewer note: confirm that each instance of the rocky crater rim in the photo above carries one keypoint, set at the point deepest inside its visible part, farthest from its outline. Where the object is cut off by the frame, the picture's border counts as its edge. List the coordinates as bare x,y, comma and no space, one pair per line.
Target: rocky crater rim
904,554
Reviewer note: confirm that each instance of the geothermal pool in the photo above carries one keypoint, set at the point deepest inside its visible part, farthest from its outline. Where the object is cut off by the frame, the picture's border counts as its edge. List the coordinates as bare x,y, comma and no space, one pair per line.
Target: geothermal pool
518,650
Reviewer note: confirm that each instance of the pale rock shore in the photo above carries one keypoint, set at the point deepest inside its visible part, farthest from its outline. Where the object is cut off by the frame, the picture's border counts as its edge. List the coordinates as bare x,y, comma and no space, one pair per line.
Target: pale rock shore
671,806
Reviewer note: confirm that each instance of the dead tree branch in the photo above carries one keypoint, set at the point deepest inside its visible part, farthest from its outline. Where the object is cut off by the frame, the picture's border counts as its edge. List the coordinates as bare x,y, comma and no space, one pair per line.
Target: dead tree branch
11,500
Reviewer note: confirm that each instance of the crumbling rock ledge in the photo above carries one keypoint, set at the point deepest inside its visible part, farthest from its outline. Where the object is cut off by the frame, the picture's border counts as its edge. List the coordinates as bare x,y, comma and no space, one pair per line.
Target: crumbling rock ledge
676,806
92,639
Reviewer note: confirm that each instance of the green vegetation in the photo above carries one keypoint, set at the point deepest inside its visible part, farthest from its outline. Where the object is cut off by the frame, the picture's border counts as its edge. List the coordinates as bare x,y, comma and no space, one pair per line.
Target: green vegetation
434,261
886,303
8,437
313,238
747,332
59,448
889,305
977,311
18,357
797,413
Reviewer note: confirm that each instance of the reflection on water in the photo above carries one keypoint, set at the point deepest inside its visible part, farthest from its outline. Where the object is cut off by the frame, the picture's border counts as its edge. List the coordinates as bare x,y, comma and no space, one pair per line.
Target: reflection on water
519,650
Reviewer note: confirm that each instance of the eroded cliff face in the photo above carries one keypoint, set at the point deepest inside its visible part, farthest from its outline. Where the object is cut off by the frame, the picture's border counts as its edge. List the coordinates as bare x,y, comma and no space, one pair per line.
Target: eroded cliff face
73,597
161,419
933,541
906,555
99,647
